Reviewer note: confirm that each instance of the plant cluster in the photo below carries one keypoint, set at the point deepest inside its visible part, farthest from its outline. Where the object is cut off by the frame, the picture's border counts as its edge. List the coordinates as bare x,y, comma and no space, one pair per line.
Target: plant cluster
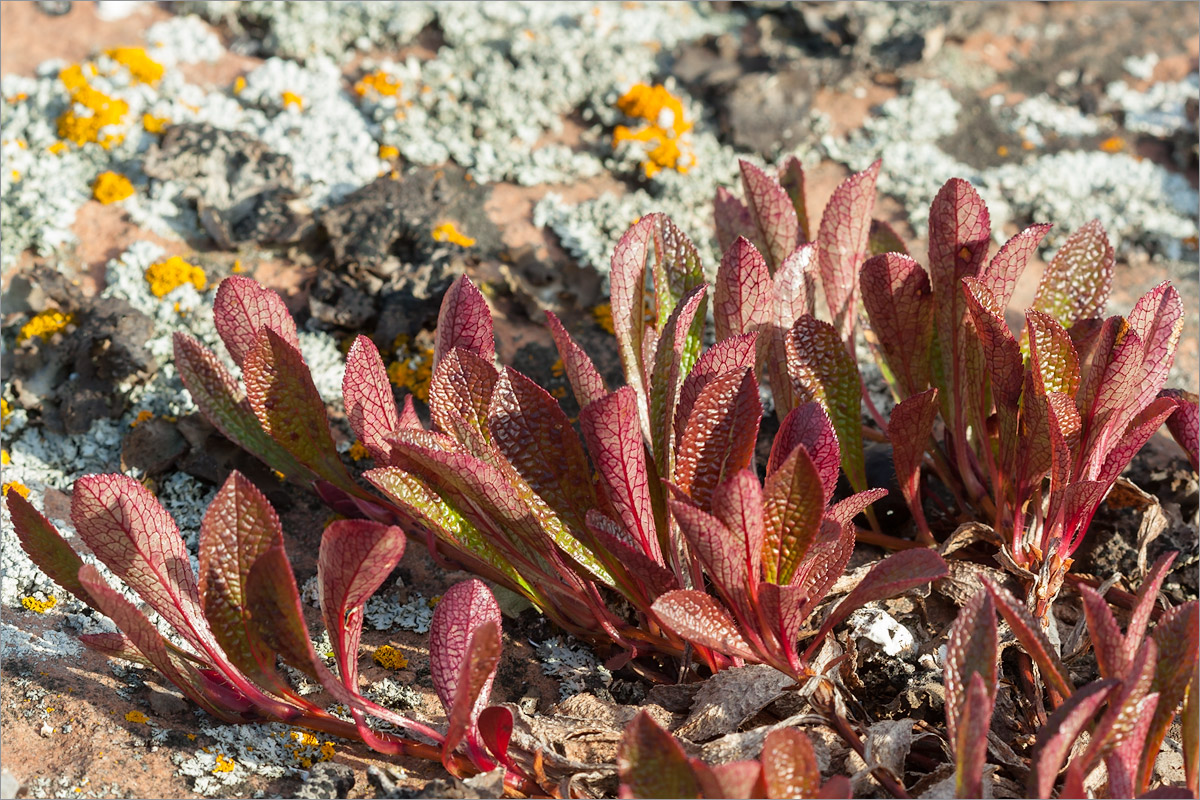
650,530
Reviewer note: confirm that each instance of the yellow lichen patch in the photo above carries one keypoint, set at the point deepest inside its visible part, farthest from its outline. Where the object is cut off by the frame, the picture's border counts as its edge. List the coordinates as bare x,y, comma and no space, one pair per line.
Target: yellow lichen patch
388,152
136,716
557,369
603,316
90,111
389,657
167,276
293,99
446,232
44,325
433,601
665,125
16,176
239,84
111,187
327,751
58,148
154,124
380,82
413,367
141,67
358,452
1002,151
142,416
5,410
32,603
5,458
559,391
224,764
1113,144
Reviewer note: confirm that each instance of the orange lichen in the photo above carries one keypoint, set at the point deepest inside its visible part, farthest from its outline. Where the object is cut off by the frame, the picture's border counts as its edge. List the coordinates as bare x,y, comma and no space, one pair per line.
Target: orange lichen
389,657
446,232
32,603
141,67
44,325
666,124
412,369
1113,144
380,82
111,187
166,276
603,316
154,124
358,452
239,84
293,99
224,764
142,416
136,716
388,152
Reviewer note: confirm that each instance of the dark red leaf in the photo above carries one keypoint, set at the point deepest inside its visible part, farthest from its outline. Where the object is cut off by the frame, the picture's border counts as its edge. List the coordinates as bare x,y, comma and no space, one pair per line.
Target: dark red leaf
731,219
846,510
793,295
1078,279
1058,735
791,178
971,744
367,394
742,295
276,618
280,389
720,435
899,303
826,562
1177,635
1002,273
773,213
699,618
241,308
807,424
45,546
793,506
738,503
883,238
971,649
734,780
585,380
474,685
909,429
735,354
627,286
465,322
356,556
463,609
1029,633
610,428
651,764
1001,352
1184,423
495,729
720,551
654,578
671,363
822,370
461,389
842,245
789,765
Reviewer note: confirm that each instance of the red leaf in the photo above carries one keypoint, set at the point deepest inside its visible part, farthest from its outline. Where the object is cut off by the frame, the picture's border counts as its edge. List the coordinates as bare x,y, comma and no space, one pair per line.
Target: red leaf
699,618
899,303
807,424
149,642
773,213
1177,635
464,321
846,510
276,618
671,363
735,779
720,435
826,562
1005,269
585,380
909,429
822,370
1001,352
676,271
883,238
791,178
370,405
356,556
280,389
971,650
495,729
1052,354
461,389
742,299
719,550
114,645
1143,426
895,574
46,546
842,244
793,295
789,765
971,744
793,506
1058,735
1184,423
627,286
124,525
474,686
1122,760
734,354
408,414
731,219
738,503
220,399
781,608
464,608
534,434
651,763
610,428
612,539
241,308
239,527
1157,317
1147,598
1029,633
1078,279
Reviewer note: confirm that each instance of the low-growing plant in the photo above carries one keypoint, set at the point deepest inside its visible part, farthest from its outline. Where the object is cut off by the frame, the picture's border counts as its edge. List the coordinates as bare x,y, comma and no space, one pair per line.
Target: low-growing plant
1126,712
504,486
1036,427
230,625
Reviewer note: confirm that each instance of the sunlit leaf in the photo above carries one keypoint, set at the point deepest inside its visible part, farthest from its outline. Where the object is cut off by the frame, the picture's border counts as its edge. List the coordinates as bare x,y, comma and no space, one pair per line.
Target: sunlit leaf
773,213
465,322
699,618
793,506
899,303
1029,634
585,380
1184,423
1058,735
1004,270
720,435
370,404
789,765
807,424
735,354
742,294
842,245
793,295
1078,279
241,307
671,364
45,546
461,389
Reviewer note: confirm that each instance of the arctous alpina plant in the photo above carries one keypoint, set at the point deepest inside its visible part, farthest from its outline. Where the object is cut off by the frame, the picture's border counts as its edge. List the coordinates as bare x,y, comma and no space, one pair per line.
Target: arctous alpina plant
241,614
